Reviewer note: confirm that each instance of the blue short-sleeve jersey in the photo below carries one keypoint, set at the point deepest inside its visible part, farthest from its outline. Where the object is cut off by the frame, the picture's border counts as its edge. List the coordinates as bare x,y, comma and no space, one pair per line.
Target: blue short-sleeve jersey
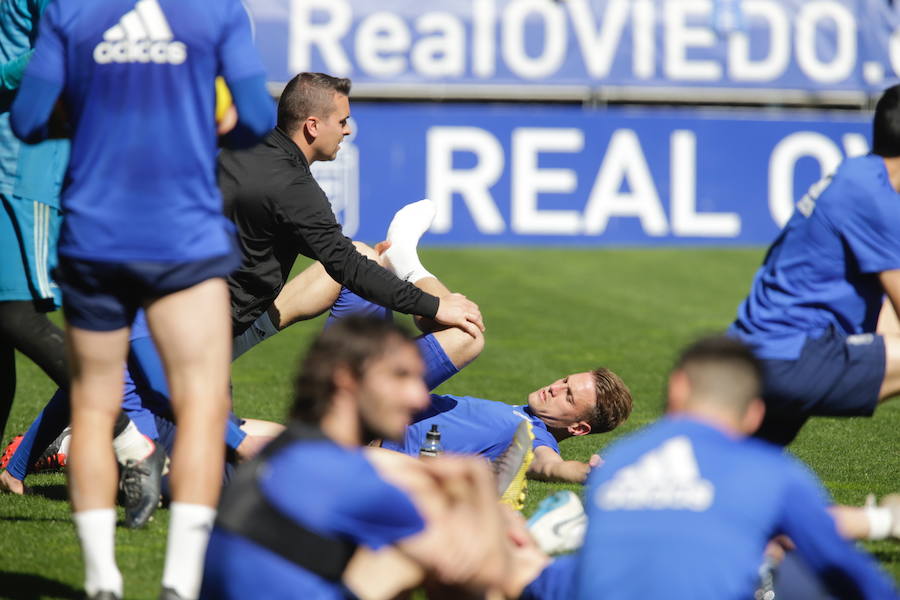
330,490
471,426
822,270
137,82
683,510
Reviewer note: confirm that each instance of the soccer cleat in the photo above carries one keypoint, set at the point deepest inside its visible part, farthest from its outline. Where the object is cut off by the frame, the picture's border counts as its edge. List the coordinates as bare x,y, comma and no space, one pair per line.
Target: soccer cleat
10,450
141,482
511,467
892,503
56,455
559,523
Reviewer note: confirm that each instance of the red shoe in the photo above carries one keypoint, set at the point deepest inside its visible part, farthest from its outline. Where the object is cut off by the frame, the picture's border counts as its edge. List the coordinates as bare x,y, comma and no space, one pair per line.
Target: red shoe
10,450
54,457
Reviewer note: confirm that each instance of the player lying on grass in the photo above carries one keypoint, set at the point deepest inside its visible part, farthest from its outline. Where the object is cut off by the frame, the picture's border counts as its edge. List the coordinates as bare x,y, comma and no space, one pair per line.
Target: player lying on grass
581,403
311,513
146,390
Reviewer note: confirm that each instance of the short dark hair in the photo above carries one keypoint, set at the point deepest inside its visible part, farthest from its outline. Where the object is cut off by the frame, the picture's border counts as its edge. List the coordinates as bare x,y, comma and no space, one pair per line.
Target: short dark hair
613,405
351,343
308,95
722,370
886,124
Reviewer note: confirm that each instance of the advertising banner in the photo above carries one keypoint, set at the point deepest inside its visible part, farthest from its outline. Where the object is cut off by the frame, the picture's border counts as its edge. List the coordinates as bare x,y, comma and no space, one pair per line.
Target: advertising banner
469,46
567,175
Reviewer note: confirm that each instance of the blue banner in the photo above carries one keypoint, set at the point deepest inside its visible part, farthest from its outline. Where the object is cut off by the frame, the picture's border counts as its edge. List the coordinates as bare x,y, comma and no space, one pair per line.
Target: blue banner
467,46
530,174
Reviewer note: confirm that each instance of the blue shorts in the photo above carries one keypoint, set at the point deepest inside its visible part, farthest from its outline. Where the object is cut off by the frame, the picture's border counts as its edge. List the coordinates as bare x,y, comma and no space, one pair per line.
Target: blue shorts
834,376
28,233
438,366
104,296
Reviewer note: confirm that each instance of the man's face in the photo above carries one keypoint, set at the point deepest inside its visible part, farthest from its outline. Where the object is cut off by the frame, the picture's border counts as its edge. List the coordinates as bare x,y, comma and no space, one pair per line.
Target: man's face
565,402
330,130
392,391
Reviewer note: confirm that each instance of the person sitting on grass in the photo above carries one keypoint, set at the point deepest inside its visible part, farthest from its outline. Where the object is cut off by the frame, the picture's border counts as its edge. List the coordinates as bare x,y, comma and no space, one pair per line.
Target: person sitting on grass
311,511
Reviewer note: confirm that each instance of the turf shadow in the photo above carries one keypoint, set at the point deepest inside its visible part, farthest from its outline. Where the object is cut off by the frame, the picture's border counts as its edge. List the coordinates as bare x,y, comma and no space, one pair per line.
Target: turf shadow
56,491
67,519
28,586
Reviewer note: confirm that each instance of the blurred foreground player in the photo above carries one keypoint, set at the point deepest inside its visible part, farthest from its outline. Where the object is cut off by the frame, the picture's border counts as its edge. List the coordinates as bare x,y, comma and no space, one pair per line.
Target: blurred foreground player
144,227
685,508
312,512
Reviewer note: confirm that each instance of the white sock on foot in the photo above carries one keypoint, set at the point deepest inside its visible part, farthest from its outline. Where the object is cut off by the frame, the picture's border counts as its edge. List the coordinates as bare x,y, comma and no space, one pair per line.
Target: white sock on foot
880,522
131,444
97,533
189,529
407,226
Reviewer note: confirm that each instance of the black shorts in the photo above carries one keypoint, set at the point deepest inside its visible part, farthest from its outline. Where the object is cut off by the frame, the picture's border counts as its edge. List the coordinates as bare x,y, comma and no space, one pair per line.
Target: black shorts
834,376
104,296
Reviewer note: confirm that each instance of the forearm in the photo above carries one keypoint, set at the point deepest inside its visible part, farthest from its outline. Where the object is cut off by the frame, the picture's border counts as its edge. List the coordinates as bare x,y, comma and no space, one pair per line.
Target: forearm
364,277
565,471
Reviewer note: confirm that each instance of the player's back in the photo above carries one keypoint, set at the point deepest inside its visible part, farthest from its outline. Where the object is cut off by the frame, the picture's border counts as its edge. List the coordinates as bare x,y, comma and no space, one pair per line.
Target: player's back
140,95
821,270
680,510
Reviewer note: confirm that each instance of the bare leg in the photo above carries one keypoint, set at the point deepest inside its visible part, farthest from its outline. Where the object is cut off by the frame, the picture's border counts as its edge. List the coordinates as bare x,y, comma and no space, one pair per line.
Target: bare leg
310,293
96,359
197,369
891,385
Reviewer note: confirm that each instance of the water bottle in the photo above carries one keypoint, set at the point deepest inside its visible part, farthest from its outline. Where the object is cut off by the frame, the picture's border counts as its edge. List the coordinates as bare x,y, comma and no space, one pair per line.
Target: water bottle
432,445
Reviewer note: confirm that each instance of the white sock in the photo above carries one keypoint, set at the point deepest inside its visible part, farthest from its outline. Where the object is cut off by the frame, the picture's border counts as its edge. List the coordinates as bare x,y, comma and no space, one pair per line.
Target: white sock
97,532
880,522
131,444
189,528
407,226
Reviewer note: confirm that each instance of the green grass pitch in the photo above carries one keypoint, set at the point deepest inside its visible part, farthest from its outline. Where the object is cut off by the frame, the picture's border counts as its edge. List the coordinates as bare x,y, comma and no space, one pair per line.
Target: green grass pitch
548,313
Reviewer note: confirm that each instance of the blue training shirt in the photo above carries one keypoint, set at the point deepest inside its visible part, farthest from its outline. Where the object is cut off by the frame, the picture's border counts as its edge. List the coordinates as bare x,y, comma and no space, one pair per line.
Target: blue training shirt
471,426
328,489
683,510
822,270
137,82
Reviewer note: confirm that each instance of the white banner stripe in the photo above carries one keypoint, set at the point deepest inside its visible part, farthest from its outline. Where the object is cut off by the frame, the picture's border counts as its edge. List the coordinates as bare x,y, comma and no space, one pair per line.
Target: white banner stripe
154,19
42,260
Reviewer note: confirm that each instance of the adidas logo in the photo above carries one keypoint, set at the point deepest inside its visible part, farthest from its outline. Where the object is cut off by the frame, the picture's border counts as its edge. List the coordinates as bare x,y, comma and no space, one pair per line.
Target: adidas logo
141,36
665,479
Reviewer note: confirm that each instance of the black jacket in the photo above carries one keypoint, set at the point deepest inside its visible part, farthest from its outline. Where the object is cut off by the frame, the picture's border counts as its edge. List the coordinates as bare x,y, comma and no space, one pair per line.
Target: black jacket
280,212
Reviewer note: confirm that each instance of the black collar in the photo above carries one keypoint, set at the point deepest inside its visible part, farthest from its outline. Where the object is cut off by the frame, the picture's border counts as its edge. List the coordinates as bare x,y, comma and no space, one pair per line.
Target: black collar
279,138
